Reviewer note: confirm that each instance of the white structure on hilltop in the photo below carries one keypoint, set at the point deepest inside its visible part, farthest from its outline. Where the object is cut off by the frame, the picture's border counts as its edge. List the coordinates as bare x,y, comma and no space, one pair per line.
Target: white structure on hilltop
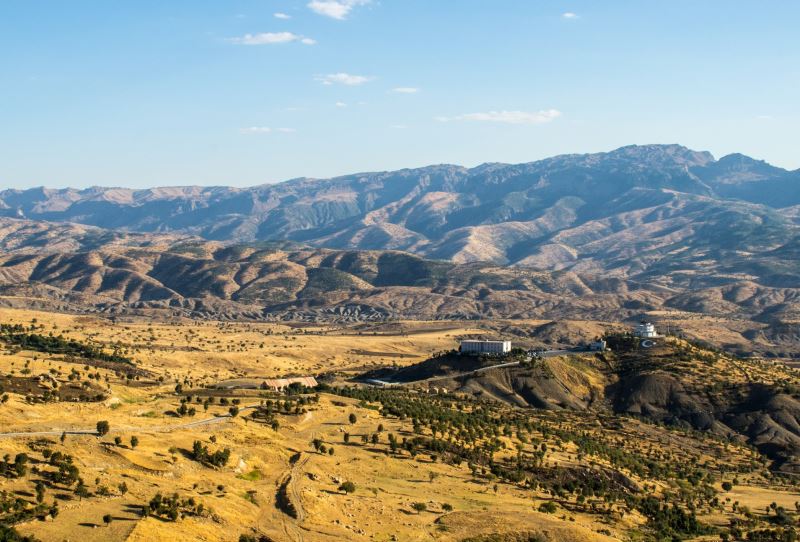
646,330
486,347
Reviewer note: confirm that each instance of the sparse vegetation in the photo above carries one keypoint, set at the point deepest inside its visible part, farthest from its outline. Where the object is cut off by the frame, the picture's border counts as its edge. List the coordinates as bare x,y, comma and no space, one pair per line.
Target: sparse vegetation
414,454
18,335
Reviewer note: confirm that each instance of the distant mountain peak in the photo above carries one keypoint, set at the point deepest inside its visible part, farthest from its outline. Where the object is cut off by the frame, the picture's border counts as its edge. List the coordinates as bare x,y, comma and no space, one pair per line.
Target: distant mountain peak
738,168
665,153
742,160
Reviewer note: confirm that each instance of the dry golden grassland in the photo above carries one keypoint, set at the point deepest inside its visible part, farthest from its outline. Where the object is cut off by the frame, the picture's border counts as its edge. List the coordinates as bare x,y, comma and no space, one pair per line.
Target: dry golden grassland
242,496
221,350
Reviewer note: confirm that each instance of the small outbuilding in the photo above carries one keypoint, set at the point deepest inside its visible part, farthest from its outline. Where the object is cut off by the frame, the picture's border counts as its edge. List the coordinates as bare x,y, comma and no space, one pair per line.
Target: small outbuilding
598,346
278,384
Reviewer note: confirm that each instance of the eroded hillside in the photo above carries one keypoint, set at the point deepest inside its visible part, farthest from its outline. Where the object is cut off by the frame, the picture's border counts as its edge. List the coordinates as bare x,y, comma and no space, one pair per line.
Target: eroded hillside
673,382
77,268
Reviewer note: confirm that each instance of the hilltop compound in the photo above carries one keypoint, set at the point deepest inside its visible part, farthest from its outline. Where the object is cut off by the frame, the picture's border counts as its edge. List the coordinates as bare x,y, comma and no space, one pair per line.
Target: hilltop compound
485,347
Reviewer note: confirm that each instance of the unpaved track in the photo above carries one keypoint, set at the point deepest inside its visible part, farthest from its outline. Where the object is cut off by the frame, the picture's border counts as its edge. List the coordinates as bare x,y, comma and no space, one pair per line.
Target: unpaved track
155,429
294,493
291,526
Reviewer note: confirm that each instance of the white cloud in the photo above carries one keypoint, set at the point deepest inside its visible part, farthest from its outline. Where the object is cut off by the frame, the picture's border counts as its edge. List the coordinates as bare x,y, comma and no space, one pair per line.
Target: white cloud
405,90
335,9
270,38
508,117
280,15
569,15
254,130
343,79
341,104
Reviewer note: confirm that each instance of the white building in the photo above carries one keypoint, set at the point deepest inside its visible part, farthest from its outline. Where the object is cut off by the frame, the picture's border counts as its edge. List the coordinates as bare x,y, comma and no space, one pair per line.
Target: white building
279,384
486,347
598,346
646,330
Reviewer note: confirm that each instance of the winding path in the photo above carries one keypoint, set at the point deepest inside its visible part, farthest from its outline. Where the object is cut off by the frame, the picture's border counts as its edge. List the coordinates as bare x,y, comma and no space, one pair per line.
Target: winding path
294,493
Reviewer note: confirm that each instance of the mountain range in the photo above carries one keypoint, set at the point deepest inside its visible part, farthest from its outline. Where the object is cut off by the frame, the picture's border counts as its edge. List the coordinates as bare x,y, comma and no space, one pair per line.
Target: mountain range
593,211
603,236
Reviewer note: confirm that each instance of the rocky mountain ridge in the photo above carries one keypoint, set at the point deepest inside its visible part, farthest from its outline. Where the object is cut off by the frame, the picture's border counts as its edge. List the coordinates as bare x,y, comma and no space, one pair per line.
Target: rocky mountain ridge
588,212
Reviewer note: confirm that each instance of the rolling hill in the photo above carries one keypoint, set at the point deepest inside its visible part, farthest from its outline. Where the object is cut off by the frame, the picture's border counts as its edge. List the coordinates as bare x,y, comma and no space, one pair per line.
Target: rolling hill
70,267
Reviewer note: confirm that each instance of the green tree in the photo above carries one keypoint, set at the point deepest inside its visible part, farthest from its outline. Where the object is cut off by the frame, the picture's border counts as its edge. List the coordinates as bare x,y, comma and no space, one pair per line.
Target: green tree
103,428
347,487
548,507
81,490
21,464
39,492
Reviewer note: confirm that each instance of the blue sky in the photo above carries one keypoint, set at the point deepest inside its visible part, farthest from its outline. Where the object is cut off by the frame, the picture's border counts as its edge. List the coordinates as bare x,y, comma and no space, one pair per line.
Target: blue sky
145,93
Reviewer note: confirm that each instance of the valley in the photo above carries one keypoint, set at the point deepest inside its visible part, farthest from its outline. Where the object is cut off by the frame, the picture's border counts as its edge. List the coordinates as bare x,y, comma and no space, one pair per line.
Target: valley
78,269
469,462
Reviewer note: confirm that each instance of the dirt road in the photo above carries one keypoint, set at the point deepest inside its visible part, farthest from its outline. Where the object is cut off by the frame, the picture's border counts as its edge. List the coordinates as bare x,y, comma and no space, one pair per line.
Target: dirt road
123,430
